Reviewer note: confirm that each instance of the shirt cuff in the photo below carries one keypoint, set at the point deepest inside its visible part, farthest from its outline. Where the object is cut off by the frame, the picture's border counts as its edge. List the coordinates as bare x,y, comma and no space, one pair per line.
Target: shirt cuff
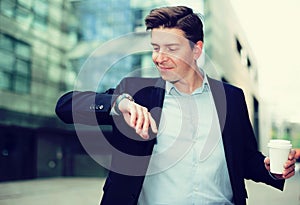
113,111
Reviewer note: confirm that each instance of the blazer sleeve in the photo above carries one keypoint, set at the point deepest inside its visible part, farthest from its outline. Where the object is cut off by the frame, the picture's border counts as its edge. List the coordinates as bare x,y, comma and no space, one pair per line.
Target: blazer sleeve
85,107
254,167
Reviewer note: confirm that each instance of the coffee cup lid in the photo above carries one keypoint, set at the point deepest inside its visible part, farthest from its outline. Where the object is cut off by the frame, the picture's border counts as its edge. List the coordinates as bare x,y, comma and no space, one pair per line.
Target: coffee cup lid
278,143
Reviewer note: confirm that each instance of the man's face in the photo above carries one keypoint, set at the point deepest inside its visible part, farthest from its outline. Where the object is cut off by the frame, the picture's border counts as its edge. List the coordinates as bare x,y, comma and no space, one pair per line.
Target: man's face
172,54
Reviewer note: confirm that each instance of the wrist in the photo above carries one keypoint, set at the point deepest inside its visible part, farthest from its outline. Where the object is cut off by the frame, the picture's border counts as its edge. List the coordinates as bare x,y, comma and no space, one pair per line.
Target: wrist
119,99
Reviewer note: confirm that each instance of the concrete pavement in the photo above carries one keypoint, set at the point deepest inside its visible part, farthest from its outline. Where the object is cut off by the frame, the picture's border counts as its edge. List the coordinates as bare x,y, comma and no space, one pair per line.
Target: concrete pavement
56,191
88,191
261,194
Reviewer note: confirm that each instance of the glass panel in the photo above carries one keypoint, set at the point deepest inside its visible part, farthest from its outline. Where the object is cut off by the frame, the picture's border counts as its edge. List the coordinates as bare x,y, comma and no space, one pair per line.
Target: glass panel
7,7
23,15
23,50
6,42
56,14
25,3
6,61
40,22
54,55
41,7
5,80
22,67
21,84
54,73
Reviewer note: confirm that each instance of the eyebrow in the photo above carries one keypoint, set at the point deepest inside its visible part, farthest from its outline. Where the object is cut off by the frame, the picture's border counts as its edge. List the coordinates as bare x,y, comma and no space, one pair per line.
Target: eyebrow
168,44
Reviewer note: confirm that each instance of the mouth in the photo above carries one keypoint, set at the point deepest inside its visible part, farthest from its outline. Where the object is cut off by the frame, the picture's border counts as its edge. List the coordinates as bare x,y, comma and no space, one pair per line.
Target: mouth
164,67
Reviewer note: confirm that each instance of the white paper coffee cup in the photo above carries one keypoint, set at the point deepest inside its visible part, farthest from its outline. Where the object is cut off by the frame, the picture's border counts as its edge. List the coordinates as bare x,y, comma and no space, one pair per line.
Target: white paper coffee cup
278,153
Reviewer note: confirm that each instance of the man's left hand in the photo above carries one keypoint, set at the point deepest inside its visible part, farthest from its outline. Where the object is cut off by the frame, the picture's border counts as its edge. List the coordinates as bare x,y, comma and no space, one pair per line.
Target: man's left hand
289,166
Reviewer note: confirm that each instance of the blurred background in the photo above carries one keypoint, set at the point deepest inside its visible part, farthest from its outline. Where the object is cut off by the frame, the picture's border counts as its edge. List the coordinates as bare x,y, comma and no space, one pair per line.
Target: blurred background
44,45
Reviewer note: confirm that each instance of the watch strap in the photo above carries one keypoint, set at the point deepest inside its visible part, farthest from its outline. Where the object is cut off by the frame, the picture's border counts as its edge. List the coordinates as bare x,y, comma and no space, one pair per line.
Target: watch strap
119,99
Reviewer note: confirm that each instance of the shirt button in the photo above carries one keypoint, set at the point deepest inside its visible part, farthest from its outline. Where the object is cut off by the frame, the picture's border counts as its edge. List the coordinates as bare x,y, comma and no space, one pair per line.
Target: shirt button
101,107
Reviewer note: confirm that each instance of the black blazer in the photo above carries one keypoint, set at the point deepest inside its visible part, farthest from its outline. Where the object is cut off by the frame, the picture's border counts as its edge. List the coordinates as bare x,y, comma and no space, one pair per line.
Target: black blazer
244,161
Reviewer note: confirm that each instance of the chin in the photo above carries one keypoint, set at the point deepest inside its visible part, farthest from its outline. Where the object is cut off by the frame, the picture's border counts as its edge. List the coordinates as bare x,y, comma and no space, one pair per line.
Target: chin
170,78
166,78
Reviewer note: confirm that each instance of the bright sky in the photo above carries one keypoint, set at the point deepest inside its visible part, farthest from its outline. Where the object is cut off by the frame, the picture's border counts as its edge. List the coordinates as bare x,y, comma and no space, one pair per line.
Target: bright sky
273,31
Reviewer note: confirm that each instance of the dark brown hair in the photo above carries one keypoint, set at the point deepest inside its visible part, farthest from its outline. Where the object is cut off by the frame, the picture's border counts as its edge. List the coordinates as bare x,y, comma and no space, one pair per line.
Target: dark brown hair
180,17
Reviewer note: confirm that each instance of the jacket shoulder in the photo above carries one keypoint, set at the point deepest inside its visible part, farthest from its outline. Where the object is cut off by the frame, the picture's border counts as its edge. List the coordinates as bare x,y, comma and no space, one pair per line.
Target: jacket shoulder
227,87
135,84
141,80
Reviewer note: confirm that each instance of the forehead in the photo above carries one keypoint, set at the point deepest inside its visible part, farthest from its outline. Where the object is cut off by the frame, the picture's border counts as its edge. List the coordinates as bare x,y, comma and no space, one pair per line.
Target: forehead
165,36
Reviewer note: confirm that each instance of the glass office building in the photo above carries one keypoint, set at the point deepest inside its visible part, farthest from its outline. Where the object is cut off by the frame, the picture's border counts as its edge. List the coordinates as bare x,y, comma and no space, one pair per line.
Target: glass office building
43,45
35,37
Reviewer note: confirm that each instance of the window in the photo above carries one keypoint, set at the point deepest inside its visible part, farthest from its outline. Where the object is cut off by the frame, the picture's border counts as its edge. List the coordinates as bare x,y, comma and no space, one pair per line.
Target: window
245,60
15,64
138,18
26,3
238,46
23,15
40,8
28,12
7,7
248,62
224,80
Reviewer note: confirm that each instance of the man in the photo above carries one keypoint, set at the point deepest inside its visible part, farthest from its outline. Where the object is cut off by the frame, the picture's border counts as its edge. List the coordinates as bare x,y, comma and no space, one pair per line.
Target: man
191,135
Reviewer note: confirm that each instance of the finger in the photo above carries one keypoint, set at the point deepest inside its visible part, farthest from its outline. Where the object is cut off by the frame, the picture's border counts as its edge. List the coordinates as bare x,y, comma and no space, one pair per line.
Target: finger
144,132
267,163
152,123
292,154
133,115
287,174
287,168
140,119
290,163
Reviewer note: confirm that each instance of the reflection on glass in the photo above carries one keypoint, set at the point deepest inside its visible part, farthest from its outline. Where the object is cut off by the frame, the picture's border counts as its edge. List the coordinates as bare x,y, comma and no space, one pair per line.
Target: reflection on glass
6,60
15,58
4,80
21,84
7,7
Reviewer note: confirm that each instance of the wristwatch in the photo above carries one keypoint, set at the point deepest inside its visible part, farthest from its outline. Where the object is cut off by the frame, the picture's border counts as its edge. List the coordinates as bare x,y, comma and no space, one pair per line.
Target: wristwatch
119,99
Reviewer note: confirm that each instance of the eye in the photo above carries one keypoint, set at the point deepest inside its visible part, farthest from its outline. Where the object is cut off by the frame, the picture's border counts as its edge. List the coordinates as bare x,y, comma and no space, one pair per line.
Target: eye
155,48
172,49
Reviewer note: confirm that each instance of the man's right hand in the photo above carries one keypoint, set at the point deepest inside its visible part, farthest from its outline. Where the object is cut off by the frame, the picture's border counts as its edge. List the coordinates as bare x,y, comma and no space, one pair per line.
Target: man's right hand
137,117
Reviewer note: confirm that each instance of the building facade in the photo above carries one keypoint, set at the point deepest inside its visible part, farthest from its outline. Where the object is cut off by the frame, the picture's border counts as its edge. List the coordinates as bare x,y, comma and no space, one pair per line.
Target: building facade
35,36
227,49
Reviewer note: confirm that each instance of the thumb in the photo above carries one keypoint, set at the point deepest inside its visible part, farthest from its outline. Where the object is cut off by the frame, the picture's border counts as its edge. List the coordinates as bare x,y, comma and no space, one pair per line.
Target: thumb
152,124
267,163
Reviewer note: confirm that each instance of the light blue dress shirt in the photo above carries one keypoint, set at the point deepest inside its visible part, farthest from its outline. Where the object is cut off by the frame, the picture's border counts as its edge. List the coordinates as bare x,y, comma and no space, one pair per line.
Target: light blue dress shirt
188,165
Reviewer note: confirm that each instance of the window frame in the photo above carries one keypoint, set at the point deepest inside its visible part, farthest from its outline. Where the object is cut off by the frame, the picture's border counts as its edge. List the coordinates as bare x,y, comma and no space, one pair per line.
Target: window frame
13,72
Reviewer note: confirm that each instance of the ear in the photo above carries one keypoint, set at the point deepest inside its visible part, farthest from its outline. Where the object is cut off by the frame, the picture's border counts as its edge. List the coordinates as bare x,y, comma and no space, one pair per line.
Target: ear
197,50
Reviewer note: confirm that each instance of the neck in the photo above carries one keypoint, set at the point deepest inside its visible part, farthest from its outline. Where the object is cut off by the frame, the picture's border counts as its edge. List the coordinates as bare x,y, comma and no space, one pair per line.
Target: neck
190,83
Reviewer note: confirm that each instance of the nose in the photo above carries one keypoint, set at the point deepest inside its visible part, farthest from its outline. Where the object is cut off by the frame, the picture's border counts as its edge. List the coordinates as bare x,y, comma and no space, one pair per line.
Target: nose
160,57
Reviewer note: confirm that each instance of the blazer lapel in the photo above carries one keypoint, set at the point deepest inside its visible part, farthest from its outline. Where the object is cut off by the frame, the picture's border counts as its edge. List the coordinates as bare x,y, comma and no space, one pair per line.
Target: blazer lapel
158,95
219,96
221,99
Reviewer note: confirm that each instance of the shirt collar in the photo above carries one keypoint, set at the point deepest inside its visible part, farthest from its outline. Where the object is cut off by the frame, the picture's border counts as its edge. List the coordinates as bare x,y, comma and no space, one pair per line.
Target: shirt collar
170,88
